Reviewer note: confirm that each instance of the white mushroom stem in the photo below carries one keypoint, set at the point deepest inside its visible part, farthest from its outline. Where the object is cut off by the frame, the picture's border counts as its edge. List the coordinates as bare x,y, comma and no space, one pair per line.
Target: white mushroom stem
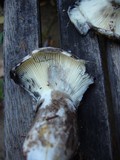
53,131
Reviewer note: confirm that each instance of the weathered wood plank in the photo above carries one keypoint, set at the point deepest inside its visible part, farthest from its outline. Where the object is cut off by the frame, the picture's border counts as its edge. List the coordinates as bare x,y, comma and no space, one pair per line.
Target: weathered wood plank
22,30
95,137
110,55
113,62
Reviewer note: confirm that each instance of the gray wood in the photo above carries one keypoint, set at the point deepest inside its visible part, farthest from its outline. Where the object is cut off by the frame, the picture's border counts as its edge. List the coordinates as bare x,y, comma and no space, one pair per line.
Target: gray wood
99,112
94,128
22,30
110,62
113,62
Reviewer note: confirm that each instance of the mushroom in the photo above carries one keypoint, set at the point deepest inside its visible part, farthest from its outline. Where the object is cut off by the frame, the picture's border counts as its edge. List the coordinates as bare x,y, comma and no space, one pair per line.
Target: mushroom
57,80
101,15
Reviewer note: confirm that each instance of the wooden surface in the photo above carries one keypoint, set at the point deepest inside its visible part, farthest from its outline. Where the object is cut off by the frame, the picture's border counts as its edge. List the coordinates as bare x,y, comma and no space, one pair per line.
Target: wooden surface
21,36
99,112
113,63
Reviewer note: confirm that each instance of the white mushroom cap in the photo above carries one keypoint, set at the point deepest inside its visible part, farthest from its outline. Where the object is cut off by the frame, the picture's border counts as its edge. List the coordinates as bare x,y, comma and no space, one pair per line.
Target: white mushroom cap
102,15
48,69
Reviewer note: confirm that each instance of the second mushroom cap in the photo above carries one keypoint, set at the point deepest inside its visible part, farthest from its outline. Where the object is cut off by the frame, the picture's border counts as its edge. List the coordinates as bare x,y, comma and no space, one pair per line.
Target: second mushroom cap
102,15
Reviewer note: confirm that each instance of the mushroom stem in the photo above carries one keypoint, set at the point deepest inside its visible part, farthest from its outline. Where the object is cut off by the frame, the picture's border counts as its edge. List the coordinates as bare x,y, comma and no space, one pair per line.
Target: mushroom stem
53,132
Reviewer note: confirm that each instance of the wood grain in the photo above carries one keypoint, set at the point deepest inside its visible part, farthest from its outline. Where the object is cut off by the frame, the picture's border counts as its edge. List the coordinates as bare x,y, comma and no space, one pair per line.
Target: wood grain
113,64
95,136
21,35
99,112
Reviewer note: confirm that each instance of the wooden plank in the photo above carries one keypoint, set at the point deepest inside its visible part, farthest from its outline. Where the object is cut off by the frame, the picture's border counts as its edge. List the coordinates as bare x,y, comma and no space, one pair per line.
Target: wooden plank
22,30
110,61
113,61
95,137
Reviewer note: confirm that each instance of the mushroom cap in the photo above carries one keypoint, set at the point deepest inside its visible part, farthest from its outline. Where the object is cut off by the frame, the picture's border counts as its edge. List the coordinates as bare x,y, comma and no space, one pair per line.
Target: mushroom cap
48,69
102,15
